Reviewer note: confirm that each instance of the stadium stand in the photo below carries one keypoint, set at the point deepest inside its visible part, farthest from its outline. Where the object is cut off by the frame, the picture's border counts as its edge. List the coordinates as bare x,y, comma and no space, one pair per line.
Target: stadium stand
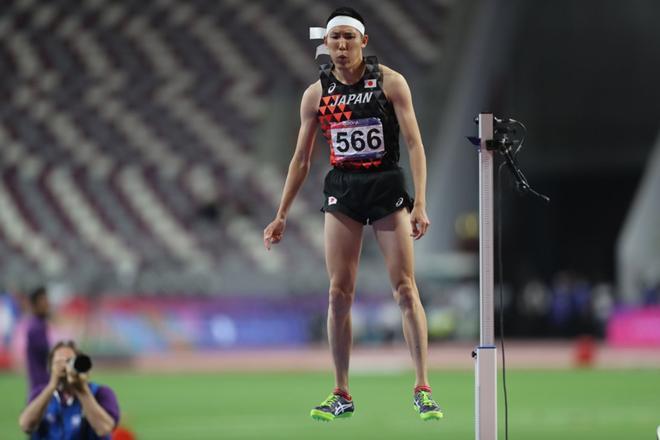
128,137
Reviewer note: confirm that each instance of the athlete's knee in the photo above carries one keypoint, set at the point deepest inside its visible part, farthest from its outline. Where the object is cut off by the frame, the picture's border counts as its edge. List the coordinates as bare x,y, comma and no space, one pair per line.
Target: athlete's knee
405,293
341,297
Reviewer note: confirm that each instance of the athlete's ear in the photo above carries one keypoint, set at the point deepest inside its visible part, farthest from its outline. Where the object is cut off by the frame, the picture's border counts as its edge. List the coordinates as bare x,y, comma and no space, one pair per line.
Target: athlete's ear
365,40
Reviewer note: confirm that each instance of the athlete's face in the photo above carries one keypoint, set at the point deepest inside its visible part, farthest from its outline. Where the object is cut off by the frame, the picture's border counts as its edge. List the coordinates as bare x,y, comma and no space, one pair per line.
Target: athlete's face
345,45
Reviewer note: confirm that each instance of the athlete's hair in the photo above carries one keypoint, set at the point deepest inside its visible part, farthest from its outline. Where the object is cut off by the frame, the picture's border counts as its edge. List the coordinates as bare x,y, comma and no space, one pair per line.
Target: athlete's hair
348,12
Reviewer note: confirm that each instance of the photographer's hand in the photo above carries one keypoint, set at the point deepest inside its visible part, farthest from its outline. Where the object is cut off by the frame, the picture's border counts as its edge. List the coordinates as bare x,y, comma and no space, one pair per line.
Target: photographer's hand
33,413
98,418
78,382
57,375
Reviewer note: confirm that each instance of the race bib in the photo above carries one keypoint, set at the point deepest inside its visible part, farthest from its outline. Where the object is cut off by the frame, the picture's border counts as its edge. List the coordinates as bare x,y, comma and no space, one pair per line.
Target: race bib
358,140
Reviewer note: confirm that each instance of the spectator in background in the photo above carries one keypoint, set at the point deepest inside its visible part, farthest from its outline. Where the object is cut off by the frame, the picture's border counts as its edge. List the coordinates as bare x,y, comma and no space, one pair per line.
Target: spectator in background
69,406
582,305
561,304
37,345
571,307
602,306
534,306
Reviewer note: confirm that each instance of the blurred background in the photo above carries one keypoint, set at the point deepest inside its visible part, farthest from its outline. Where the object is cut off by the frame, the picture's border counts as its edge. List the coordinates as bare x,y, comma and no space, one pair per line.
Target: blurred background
144,145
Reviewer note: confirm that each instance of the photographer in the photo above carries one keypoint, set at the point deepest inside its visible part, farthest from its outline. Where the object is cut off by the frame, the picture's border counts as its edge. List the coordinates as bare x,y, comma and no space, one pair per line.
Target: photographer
69,406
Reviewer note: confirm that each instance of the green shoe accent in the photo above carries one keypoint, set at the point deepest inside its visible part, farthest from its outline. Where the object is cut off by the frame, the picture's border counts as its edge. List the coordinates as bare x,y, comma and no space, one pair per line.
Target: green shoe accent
321,416
431,415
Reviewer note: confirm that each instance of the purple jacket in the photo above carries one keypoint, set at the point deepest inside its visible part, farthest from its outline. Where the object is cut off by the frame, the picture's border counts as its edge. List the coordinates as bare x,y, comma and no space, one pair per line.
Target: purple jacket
37,348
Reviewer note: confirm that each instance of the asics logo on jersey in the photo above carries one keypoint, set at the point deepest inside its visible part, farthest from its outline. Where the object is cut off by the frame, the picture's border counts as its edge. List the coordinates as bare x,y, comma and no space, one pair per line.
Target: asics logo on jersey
332,200
332,88
399,202
353,98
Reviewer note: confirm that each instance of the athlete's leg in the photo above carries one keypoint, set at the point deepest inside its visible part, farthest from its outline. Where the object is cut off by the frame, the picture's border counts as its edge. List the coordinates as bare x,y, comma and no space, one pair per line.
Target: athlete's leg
393,235
343,242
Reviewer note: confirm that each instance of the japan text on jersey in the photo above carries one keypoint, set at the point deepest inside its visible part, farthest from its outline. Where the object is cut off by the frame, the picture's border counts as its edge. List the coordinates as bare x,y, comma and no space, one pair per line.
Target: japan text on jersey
358,121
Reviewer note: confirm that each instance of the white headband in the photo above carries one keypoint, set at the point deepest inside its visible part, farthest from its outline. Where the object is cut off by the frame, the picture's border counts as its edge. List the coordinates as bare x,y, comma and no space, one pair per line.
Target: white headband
318,33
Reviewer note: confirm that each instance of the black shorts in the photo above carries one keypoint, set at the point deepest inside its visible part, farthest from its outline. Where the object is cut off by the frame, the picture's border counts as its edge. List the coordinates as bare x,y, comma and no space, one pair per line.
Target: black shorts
365,196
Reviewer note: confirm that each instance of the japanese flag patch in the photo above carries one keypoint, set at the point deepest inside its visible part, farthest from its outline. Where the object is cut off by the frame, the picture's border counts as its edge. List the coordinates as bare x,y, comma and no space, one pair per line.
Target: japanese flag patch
369,83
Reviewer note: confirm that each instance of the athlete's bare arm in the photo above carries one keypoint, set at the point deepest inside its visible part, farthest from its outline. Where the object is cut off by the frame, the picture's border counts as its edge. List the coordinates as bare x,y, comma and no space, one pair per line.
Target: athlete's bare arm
397,91
300,162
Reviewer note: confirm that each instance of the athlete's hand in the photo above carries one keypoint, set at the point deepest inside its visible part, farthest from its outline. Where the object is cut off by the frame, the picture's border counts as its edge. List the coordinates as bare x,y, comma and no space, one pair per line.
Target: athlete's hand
274,232
419,221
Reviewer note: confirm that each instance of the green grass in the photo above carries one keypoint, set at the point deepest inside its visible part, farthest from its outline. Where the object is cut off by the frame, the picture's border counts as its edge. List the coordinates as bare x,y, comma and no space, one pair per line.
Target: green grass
557,405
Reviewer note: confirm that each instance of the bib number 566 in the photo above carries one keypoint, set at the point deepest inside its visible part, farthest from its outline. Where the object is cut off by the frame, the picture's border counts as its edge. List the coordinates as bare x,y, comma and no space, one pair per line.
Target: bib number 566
358,140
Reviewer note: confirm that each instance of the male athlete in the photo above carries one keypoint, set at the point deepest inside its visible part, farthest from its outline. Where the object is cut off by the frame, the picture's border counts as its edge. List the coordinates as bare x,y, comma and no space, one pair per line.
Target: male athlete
359,106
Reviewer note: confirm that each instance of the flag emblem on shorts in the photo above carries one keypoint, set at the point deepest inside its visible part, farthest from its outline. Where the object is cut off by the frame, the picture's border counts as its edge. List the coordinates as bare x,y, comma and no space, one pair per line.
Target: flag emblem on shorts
332,200
369,83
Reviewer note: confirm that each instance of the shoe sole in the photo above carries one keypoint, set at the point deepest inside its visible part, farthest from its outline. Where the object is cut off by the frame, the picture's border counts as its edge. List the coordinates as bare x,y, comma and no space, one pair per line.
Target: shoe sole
322,416
434,415
431,415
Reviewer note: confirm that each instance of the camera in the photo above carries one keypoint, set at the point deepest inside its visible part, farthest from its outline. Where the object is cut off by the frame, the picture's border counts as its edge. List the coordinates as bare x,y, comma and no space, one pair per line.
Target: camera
81,363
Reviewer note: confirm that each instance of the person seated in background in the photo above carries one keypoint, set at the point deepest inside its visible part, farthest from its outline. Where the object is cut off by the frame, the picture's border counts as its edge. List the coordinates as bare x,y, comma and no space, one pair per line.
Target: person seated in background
37,344
69,406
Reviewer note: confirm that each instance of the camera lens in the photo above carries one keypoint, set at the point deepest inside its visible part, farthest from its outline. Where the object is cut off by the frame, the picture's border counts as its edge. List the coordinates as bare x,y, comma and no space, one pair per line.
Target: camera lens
82,363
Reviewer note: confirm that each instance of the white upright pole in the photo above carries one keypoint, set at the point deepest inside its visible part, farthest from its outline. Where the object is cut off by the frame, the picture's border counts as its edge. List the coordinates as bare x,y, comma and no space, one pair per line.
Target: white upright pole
486,352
